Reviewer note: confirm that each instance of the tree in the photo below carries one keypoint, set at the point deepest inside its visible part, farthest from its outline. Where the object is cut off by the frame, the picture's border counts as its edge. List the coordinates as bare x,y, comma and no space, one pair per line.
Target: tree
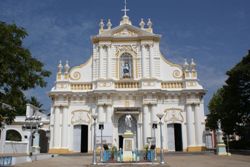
19,71
214,107
34,102
231,103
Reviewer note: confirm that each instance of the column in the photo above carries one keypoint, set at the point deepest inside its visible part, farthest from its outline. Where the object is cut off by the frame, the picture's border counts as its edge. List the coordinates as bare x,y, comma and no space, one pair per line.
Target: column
164,133
151,62
100,61
101,114
142,60
36,140
109,114
57,128
115,134
146,124
190,132
197,120
105,62
139,138
153,118
202,119
52,127
109,62
154,110
65,127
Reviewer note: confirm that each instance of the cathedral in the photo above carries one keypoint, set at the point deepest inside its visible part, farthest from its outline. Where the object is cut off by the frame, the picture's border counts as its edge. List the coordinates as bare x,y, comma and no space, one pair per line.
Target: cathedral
127,76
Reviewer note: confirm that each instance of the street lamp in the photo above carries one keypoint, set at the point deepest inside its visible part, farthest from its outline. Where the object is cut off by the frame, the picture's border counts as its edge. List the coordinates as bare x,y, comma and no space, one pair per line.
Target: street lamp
94,116
159,115
33,121
101,127
154,126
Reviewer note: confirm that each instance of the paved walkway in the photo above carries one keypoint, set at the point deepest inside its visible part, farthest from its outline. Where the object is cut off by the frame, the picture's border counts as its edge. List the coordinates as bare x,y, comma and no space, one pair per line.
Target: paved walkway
182,160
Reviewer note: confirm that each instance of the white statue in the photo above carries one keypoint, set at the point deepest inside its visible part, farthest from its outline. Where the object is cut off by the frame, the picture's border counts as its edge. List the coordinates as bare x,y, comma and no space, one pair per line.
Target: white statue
128,122
126,69
219,124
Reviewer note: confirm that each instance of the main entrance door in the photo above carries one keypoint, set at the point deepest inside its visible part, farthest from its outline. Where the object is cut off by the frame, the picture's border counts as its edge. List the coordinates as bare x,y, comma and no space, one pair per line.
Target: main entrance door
120,141
81,138
174,137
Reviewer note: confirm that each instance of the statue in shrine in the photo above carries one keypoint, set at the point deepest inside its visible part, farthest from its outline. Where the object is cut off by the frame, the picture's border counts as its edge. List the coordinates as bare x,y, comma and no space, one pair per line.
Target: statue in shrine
126,70
128,122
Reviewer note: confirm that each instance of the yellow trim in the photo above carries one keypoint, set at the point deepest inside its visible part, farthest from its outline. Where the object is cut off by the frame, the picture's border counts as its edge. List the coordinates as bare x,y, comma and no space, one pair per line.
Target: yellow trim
60,151
59,76
196,149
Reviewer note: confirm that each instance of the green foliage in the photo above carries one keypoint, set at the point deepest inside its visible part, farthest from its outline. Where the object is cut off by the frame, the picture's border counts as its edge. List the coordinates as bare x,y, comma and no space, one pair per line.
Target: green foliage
19,71
13,135
214,106
231,103
34,102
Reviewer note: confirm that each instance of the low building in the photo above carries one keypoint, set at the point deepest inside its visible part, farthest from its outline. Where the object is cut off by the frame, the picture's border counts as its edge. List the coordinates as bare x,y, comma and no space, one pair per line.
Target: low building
15,138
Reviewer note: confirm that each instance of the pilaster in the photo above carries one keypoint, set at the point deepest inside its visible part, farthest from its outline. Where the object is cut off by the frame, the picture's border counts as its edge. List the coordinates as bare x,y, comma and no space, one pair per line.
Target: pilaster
101,114
146,124
198,135
57,129
65,128
190,130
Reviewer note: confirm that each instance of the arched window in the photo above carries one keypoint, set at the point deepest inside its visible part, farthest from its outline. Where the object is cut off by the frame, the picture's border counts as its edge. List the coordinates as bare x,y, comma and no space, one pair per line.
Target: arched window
126,66
13,135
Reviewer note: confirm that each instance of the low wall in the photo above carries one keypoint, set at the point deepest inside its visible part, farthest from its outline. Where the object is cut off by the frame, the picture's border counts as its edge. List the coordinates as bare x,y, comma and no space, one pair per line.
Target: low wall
13,147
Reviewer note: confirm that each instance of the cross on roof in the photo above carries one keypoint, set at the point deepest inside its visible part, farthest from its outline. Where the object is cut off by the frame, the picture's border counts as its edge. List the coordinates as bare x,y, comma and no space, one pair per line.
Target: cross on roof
125,10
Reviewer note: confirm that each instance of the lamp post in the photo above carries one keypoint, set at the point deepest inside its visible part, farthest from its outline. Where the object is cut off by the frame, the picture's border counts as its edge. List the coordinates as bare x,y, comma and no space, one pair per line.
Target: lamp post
101,127
33,121
94,116
159,115
154,126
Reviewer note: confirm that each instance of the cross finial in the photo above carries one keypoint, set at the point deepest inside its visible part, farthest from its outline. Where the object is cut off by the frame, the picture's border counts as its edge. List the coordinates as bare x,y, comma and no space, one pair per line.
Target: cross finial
125,10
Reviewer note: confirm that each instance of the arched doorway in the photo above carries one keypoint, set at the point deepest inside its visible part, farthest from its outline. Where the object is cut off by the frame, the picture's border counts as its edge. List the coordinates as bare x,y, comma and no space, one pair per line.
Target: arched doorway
122,129
80,143
174,132
43,142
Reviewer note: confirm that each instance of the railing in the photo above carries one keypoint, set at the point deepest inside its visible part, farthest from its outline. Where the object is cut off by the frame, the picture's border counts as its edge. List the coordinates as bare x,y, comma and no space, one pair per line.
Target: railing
137,156
81,86
172,85
127,85
6,161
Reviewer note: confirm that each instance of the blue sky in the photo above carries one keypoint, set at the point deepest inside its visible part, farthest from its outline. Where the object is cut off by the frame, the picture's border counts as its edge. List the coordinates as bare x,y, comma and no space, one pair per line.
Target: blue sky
216,33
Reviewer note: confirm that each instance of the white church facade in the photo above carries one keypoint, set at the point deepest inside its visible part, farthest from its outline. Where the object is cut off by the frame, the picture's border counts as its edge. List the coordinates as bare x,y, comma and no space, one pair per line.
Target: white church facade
127,75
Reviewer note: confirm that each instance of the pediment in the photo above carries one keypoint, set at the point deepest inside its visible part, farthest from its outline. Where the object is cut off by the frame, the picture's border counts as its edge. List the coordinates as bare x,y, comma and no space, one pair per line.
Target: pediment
125,33
127,30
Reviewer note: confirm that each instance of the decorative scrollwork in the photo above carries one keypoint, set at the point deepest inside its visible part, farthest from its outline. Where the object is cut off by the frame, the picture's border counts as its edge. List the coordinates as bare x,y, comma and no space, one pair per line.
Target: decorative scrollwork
75,76
126,48
80,117
174,115
177,74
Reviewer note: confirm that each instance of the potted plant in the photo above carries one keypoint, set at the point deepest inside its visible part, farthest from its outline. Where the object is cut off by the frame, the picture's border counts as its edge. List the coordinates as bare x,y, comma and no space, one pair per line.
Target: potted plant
146,152
113,151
